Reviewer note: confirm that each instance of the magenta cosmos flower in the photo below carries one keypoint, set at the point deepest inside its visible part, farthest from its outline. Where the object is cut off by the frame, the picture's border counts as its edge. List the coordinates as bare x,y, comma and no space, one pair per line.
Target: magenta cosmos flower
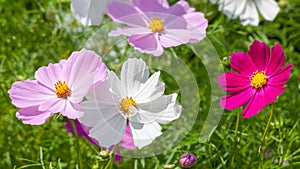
58,87
258,80
154,25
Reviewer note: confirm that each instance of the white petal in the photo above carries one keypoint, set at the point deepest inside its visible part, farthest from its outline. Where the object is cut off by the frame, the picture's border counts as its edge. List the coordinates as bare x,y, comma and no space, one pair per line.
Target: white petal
144,134
89,12
108,126
232,8
116,86
151,90
250,15
109,131
134,72
268,8
162,110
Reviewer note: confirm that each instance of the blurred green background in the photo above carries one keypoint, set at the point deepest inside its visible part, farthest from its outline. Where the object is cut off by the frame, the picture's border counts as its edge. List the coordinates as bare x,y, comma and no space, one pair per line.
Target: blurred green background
34,33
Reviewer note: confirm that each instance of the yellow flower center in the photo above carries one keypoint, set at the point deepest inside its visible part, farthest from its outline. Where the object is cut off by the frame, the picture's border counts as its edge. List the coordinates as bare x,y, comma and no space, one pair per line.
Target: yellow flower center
126,104
156,25
62,90
259,79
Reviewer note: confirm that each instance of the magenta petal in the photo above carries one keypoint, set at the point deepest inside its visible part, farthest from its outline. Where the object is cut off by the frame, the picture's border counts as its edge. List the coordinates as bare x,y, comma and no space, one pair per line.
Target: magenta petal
242,63
276,61
164,3
235,100
127,140
31,115
72,111
260,54
271,93
82,130
255,104
233,82
281,76
125,13
146,43
29,93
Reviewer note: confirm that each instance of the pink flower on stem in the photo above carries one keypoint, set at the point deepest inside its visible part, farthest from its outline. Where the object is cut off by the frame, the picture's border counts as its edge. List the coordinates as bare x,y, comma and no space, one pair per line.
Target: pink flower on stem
154,25
58,87
258,80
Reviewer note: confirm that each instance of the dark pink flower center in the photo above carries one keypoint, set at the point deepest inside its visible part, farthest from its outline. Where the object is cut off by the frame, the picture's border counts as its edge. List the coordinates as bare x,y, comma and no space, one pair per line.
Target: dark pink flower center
156,25
62,90
259,79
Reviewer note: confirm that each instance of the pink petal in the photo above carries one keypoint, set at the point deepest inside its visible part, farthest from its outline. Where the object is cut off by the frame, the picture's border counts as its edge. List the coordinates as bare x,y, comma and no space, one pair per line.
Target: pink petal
72,111
260,55
276,61
175,37
235,100
29,93
281,76
31,115
149,6
164,3
196,20
186,6
146,43
127,14
242,63
233,82
84,69
130,31
255,104
51,74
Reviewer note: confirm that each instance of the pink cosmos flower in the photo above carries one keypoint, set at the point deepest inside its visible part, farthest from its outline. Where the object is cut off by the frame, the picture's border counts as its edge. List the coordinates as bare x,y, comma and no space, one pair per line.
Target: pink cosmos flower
154,25
258,80
82,130
58,87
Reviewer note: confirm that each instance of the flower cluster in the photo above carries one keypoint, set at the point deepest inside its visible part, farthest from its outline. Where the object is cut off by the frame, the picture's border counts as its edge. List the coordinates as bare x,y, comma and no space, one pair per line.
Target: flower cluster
108,110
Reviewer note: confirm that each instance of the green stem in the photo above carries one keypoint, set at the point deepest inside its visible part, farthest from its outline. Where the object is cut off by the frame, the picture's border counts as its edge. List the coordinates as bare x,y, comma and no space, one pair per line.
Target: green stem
235,135
77,143
237,127
112,158
268,124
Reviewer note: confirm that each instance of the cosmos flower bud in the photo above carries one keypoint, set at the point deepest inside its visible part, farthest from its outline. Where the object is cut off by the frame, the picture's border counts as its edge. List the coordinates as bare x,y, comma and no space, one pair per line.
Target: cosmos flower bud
187,160
104,154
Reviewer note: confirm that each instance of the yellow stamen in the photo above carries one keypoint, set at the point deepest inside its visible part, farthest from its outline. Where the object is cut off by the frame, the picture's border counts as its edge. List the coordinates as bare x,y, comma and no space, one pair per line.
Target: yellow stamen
156,25
259,79
62,90
126,104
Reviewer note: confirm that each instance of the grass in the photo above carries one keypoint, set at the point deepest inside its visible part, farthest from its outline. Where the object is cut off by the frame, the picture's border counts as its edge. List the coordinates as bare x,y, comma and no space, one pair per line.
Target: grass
35,33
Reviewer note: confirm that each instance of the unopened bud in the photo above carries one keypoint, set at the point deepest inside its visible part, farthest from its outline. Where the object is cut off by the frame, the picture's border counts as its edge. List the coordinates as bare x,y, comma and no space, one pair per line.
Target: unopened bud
104,154
187,160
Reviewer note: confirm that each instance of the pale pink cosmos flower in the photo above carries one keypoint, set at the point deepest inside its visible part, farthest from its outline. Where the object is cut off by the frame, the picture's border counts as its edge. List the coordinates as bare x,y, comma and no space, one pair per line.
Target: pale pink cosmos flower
154,25
58,87
258,80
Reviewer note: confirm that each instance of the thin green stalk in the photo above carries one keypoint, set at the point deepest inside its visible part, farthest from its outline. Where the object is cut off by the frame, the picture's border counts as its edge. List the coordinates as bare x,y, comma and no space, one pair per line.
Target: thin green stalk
235,135
109,165
77,143
268,124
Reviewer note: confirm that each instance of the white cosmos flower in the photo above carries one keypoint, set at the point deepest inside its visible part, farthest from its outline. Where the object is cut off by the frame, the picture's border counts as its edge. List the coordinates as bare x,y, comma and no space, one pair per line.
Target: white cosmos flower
246,10
136,99
90,12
